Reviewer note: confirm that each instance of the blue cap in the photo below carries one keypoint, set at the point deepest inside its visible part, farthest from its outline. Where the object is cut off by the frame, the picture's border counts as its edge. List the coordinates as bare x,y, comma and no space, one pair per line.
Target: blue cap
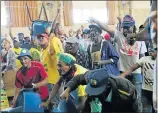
96,27
86,31
97,81
24,52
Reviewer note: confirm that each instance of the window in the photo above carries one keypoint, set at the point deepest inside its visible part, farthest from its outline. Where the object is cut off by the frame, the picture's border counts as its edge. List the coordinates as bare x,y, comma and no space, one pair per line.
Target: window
3,14
83,10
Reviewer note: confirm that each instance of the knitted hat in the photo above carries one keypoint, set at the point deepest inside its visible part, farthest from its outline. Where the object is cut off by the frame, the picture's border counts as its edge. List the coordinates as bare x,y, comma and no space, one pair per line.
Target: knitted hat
66,58
128,21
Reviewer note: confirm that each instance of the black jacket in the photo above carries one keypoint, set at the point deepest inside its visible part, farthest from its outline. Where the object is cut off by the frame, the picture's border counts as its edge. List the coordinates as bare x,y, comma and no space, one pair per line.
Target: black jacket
124,95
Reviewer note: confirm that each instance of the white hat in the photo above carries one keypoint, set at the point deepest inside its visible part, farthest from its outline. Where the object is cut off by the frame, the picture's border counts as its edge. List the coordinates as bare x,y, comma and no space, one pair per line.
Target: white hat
16,39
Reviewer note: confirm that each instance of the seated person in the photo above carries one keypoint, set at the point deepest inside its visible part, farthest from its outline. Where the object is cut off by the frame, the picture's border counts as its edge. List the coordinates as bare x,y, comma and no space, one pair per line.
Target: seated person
31,75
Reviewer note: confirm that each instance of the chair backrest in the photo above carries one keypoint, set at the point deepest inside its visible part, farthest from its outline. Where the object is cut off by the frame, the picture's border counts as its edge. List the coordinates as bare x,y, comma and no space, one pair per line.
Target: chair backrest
66,107
32,101
29,100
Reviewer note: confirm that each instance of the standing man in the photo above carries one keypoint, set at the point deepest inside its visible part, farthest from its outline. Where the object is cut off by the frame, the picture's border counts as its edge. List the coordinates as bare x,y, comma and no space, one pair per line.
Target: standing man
128,48
101,50
50,47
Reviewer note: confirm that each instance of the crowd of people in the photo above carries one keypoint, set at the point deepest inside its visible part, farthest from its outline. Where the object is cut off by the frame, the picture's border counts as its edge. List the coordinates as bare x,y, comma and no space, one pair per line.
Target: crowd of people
110,73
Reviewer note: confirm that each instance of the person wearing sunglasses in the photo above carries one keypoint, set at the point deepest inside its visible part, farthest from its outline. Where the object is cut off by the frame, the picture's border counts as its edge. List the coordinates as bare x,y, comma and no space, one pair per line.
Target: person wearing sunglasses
67,69
31,75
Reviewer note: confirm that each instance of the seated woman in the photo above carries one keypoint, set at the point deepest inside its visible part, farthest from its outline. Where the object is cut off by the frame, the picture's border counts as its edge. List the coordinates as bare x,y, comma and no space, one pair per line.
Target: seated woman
31,75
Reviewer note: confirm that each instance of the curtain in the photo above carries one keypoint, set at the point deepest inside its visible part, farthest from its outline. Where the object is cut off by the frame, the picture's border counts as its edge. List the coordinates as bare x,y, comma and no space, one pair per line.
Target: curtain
111,12
68,8
18,15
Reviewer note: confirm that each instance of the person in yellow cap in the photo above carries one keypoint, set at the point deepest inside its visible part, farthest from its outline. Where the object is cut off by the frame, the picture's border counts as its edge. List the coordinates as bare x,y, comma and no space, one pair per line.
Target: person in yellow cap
67,70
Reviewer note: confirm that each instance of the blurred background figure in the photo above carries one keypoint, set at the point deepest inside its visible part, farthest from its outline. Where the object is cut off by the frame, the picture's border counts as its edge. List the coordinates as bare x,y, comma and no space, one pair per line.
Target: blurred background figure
86,41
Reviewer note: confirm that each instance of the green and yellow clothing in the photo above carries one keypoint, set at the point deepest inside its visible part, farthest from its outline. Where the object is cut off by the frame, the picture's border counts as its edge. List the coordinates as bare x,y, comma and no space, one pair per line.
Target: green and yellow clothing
49,59
17,52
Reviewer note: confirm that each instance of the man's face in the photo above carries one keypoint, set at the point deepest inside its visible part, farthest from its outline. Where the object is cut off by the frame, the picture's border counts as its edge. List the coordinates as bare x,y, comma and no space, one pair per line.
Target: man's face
71,48
21,37
59,30
154,54
16,44
42,40
128,32
25,61
27,40
94,35
63,68
6,44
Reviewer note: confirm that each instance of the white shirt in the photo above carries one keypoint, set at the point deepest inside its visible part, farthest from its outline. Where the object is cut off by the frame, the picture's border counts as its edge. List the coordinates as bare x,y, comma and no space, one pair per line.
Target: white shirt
147,65
129,55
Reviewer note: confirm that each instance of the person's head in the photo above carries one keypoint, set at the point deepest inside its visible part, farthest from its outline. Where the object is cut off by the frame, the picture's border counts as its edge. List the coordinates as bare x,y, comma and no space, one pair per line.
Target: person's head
43,39
86,33
21,36
25,58
97,82
6,44
58,29
79,32
27,39
141,27
154,53
62,38
71,45
95,33
16,43
129,29
65,63
70,32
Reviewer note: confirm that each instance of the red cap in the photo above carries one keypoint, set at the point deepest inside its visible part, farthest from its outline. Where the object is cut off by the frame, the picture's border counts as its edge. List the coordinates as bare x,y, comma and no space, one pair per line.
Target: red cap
107,36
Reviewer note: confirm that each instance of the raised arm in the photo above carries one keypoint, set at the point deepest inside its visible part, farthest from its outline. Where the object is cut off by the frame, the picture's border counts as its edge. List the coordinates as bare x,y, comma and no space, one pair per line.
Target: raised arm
103,26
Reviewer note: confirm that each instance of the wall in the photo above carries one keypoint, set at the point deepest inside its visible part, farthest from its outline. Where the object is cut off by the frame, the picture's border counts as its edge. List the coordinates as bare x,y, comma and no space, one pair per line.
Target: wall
138,9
